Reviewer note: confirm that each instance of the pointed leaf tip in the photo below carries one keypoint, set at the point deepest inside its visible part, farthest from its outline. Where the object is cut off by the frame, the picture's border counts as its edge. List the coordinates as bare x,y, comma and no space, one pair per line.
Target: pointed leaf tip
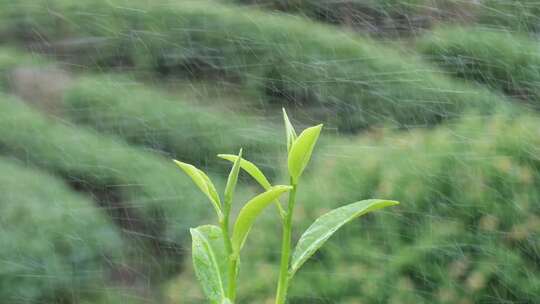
203,182
326,225
301,151
250,168
232,180
289,130
251,211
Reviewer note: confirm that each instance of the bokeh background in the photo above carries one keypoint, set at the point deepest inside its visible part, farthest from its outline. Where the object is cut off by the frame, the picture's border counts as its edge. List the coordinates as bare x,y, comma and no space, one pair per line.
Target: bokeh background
430,102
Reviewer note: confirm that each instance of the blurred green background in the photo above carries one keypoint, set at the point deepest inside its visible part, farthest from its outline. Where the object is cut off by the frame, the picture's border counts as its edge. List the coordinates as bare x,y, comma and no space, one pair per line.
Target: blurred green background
430,102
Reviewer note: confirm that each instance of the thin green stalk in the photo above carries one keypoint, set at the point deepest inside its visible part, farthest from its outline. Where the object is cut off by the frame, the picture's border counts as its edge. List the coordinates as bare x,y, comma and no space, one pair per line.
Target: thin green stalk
233,269
283,282
233,260
280,209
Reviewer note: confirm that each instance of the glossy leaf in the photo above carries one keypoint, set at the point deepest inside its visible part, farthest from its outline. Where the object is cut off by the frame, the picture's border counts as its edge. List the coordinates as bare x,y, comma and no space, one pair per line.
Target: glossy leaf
250,168
289,130
233,179
326,225
249,213
301,150
203,182
210,261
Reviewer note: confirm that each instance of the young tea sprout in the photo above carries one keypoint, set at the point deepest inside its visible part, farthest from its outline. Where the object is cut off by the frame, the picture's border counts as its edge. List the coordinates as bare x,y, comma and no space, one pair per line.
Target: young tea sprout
216,248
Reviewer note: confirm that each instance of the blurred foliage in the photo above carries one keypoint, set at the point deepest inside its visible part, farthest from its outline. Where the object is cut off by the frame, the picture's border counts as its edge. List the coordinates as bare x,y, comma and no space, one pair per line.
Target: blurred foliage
503,60
11,58
357,81
145,194
405,17
517,15
468,227
55,246
123,106
378,17
144,116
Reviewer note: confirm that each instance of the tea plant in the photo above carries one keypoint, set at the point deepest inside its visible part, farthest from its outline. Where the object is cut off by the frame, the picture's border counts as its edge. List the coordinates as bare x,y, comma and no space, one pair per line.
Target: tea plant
216,249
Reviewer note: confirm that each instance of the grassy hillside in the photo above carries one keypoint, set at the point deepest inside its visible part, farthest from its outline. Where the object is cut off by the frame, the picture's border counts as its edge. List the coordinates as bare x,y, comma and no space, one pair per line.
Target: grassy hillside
145,116
356,80
108,91
503,60
146,195
10,58
378,17
517,15
139,113
55,246
391,17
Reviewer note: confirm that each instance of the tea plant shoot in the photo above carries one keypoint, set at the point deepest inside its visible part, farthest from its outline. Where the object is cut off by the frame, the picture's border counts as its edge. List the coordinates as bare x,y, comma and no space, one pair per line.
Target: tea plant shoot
216,248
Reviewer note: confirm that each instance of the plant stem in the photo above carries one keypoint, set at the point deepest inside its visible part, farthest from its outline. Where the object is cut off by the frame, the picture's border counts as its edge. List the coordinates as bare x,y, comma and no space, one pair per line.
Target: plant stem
283,282
232,260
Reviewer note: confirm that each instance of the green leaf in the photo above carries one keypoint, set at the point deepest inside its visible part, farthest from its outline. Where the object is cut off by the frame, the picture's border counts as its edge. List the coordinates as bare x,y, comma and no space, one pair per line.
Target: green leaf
210,261
250,168
232,180
249,213
289,129
226,301
203,182
301,150
326,225
211,188
256,173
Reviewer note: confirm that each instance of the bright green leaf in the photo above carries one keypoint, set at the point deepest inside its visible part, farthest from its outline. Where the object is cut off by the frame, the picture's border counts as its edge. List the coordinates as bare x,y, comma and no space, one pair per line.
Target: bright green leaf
226,301
249,213
211,188
232,180
203,182
326,225
210,261
301,150
289,129
250,168
256,173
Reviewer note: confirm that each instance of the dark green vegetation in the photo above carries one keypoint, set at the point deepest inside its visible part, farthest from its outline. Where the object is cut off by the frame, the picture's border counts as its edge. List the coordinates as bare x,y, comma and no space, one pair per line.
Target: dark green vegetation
466,231
503,60
143,193
122,106
55,245
144,116
517,15
391,17
354,81
379,17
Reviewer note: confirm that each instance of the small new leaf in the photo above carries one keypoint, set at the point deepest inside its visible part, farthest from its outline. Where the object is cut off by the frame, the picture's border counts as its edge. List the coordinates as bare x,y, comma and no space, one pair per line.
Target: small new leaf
203,182
210,261
211,188
232,180
289,129
256,173
301,149
326,225
250,168
249,213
